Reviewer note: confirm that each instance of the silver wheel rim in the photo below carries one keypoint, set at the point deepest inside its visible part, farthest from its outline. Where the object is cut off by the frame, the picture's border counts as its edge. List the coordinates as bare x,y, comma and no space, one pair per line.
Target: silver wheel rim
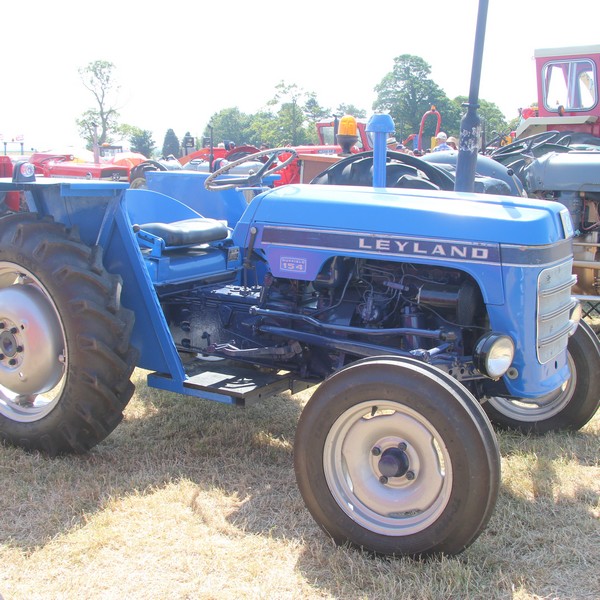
402,505
33,361
530,410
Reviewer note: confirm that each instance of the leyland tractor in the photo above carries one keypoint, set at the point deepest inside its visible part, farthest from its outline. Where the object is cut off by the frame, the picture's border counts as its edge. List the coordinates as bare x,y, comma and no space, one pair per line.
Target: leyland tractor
418,314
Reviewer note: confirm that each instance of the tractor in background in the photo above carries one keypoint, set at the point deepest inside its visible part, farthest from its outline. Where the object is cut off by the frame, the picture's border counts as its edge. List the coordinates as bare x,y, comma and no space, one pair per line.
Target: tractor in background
568,95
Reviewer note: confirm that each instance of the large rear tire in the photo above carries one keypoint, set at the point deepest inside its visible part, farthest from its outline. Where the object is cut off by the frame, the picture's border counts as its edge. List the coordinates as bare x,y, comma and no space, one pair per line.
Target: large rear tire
65,357
567,409
395,457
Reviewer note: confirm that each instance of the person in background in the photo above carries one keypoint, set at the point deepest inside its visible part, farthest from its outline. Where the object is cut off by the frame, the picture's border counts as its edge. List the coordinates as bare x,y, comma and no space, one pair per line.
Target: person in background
441,138
451,141
392,143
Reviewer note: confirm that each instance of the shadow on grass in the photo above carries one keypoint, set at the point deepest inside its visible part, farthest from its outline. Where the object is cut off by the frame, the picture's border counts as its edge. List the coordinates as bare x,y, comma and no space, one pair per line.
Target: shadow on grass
163,438
537,539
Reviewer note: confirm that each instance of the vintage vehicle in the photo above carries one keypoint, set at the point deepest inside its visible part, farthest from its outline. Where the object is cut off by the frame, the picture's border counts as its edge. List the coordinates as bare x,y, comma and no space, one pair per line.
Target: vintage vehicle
51,164
568,101
421,314
546,166
418,306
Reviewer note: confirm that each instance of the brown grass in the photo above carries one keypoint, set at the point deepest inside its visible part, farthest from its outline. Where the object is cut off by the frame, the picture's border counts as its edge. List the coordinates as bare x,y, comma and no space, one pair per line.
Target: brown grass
192,499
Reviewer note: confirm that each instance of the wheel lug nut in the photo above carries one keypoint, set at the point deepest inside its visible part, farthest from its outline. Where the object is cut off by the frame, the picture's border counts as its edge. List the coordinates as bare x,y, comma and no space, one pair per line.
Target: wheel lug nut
12,362
410,475
383,479
2,325
402,446
1,356
19,348
376,451
14,330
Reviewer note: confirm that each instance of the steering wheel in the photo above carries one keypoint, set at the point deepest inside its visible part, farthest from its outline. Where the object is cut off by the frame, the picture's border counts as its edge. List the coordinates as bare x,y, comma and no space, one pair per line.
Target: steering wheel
252,179
436,175
525,145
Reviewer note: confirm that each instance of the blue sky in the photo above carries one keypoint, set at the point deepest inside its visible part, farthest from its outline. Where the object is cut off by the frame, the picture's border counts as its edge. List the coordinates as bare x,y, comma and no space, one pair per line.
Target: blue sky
178,63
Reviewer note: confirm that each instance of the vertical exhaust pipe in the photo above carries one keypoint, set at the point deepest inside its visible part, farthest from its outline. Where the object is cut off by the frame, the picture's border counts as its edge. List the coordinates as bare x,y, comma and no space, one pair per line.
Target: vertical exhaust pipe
470,125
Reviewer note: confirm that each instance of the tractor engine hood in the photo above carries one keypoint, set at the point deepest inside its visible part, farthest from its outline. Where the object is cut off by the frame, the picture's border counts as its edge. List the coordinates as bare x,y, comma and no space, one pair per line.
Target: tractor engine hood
437,214
570,171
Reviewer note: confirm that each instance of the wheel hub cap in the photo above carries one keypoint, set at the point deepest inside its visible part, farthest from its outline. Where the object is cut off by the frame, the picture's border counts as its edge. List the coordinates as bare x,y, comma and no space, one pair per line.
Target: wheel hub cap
8,345
393,463
31,341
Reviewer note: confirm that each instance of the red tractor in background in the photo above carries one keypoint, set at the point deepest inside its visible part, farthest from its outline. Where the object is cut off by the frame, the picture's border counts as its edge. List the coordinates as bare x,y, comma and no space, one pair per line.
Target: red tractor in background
568,95
107,162
9,201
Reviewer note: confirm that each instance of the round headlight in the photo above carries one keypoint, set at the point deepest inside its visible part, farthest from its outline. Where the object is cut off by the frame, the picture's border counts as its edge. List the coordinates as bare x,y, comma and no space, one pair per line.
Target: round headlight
493,354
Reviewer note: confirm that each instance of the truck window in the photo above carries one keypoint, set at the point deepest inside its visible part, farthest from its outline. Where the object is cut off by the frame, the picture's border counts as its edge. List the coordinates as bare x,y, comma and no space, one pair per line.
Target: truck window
570,84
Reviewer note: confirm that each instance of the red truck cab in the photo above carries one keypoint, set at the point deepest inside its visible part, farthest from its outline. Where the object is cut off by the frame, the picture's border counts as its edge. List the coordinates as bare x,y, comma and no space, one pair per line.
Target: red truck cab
567,87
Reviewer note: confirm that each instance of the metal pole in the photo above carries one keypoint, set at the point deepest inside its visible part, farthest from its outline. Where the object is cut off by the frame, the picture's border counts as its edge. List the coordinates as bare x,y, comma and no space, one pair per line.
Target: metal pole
470,125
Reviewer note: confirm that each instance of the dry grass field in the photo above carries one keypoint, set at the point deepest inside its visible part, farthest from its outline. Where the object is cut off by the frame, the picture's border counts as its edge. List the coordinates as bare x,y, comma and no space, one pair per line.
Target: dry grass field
192,499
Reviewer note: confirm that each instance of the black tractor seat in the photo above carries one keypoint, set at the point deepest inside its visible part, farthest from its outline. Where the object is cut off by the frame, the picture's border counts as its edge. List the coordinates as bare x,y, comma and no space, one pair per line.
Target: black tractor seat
188,232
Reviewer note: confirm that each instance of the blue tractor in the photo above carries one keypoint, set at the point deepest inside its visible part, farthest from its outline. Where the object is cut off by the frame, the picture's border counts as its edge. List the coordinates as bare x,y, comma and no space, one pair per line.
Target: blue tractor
416,311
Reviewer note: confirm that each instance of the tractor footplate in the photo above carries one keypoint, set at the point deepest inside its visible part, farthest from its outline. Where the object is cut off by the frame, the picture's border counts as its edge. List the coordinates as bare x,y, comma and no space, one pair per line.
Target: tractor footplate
227,382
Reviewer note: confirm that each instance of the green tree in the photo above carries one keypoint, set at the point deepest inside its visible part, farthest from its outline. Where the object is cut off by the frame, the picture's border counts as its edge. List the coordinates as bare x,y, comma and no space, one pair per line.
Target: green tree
350,109
229,124
171,145
263,129
140,140
287,119
313,111
407,93
296,113
100,122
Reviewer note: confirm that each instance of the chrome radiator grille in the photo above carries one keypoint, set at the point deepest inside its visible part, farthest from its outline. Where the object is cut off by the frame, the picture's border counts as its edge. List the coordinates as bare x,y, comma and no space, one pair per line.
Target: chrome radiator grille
554,308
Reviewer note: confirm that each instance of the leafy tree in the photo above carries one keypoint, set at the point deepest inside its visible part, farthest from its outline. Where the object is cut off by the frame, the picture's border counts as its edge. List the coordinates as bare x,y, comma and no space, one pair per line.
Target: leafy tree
287,119
290,114
171,145
350,109
313,111
229,124
100,122
295,115
263,129
142,142
407,93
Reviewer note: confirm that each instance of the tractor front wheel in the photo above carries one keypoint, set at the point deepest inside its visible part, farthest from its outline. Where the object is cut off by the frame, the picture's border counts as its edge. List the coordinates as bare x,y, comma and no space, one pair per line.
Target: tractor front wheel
395,457
65,358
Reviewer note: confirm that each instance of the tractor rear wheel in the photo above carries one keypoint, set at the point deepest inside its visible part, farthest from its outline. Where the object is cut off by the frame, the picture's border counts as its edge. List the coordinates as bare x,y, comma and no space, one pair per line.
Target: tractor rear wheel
65,357
395,457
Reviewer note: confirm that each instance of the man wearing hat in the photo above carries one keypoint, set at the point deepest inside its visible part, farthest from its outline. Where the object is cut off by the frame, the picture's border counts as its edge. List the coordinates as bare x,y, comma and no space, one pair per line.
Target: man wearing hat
441,138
